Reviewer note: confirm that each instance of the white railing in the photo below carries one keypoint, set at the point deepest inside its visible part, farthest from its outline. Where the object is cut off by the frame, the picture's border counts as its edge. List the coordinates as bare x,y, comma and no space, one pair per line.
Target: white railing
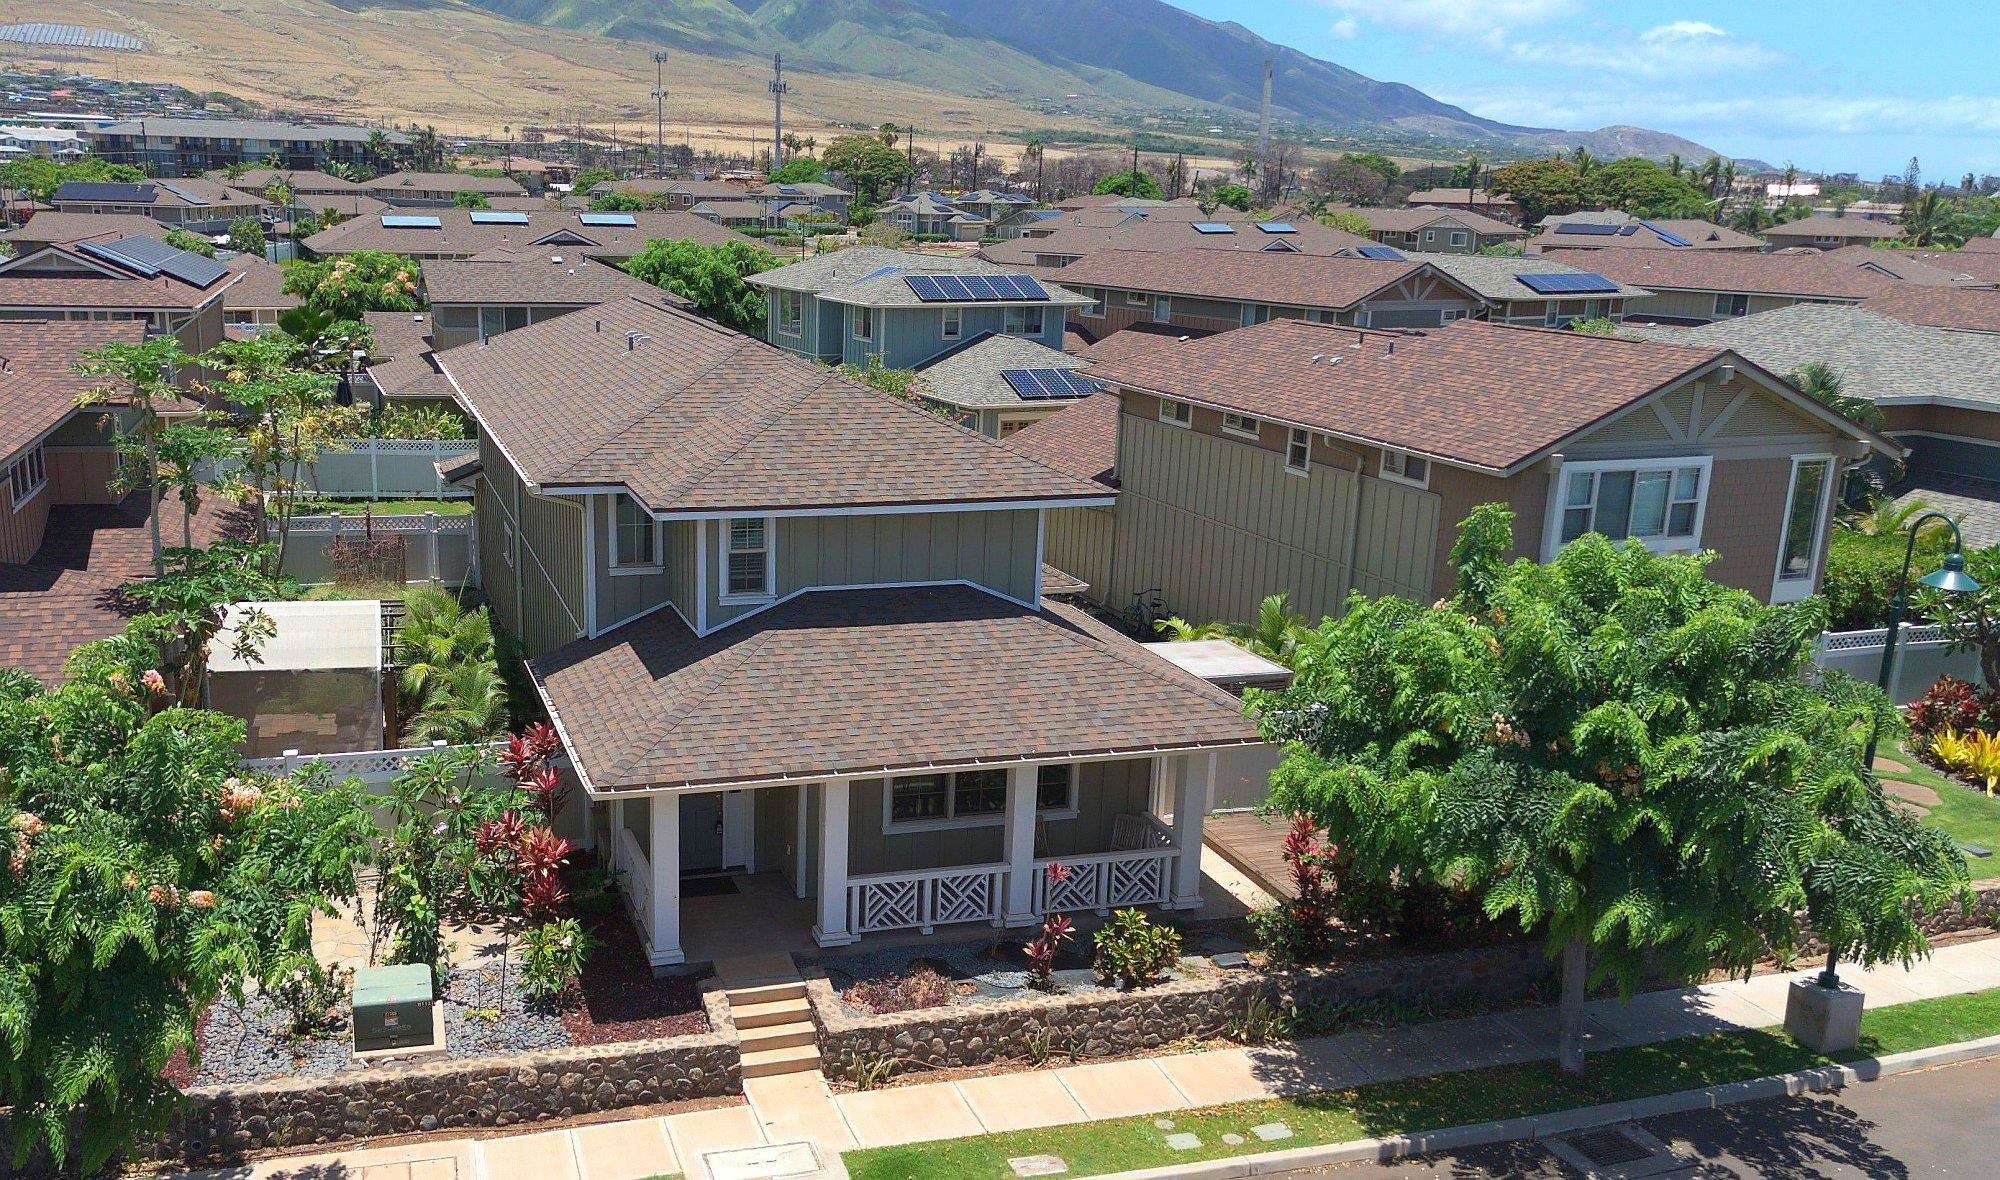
637,874
1922,655
439,550
366,765
1103,881
1873,639
923,900
359,520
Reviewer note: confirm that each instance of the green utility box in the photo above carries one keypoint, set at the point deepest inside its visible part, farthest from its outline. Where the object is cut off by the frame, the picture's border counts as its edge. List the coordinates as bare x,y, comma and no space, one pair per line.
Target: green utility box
392,1007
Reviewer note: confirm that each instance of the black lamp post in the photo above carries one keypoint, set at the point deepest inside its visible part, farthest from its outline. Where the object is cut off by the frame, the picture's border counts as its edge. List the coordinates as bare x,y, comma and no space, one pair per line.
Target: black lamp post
1950,578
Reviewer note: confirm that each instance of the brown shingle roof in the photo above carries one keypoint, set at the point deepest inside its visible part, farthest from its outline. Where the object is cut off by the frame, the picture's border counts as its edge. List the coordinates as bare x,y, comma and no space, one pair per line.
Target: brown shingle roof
576,281
1301,280
1309,237
1973,310
38,385
1482,395
55,227
1700,236
1804,275
1839,227
398,333
444,182
1979,266
262,285
1415,218
1081,439
109,293
458,236
693,417
1141,337
867,682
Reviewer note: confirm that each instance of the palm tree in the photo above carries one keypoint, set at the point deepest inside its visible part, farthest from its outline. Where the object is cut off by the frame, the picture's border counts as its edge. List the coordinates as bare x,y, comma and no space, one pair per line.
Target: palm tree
1034,150
889,134
1711,176
1886,516
1472,166
437,636
1822,383
469,704
342,170
1924,219
1583,160
1674,165
381,151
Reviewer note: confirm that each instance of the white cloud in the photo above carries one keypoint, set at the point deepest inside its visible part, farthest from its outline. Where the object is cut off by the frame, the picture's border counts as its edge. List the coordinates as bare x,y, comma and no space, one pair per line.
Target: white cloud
1345,29
1681,30
1485,20
1670,50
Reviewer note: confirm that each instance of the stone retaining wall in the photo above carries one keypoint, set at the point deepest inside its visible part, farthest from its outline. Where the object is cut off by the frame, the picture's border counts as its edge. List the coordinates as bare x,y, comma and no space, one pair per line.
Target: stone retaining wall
421,1095
1103,1023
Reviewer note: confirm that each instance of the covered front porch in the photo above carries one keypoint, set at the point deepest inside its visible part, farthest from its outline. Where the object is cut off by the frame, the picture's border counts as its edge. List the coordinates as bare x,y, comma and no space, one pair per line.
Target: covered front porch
896,858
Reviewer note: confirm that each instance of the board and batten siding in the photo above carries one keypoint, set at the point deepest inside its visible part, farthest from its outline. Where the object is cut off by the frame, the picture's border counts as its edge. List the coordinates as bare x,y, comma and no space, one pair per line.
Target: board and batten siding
626,595
536,583
1105,790
1079,542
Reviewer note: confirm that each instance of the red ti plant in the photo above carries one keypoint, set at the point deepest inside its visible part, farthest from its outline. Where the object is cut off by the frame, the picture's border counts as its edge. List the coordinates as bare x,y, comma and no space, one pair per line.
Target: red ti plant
529,760
1311,909
1057,929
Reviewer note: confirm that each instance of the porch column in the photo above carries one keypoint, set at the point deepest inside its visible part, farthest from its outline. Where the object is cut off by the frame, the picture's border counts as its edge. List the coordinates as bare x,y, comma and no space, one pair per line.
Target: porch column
1017,848
1191,788
613,853
666,813
831,929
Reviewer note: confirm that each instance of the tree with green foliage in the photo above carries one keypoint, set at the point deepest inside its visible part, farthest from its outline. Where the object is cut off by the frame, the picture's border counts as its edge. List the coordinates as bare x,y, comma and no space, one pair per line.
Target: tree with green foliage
193,243
617,202
589,178
350,285
711,277
183,454
1622,756
1541,187
1822,383
1597,327
1235,196
799,170
1971,621
145,373
1375,162
40,177
1136,183
1348,220
246,235
1645,189
872,167
469,199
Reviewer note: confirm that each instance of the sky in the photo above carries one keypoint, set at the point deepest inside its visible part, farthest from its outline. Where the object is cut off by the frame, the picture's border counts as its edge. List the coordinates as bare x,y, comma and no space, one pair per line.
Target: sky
1830,85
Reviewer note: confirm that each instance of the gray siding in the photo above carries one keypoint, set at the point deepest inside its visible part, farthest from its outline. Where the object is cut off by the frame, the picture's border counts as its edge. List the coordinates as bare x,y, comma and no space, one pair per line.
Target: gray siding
777,831
1079,542
1105,790
908,336
621,596
536,582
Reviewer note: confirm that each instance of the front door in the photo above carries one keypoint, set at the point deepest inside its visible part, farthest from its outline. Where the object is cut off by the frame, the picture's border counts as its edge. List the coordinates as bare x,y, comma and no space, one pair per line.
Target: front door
701,833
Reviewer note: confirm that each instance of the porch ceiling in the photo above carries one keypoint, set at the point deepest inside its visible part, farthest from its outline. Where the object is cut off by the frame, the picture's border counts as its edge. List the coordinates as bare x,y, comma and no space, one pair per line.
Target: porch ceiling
845,684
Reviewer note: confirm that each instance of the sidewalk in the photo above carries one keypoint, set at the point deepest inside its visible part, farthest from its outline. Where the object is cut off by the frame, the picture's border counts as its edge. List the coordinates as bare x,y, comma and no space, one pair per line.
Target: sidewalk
798,1108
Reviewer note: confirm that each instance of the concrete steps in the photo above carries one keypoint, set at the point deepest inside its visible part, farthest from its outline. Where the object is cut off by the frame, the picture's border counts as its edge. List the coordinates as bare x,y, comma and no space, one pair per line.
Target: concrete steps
767,1000
765,1063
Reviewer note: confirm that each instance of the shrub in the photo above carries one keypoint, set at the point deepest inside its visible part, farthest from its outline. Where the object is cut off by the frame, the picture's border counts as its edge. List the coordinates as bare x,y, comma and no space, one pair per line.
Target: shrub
421,422
1951,703
919,987
1057,929
1974,755
1861,573
1134,951
552,954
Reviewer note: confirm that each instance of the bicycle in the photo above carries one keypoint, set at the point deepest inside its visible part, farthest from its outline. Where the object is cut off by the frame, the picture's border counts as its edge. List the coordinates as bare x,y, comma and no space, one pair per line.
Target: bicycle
1143,617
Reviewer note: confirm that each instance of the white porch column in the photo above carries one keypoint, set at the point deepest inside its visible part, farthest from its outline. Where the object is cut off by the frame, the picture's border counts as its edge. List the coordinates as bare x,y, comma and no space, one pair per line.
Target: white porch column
666,813
617,834
1017,848
831,929
1196,773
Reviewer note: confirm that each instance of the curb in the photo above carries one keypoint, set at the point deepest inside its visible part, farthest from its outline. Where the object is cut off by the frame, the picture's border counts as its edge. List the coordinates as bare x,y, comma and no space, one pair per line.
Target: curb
1563,1122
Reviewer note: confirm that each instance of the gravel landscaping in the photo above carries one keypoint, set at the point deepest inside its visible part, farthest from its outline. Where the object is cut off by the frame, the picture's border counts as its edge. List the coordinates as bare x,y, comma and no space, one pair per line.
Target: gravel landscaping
981,971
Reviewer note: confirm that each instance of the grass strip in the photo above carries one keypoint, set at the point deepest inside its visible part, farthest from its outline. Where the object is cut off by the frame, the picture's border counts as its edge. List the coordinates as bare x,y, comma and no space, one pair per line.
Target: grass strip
1964,813
1430,1103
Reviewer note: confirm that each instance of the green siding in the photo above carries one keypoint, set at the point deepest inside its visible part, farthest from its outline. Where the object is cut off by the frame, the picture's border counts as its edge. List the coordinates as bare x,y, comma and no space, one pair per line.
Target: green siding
536,583
1079,542
1105,790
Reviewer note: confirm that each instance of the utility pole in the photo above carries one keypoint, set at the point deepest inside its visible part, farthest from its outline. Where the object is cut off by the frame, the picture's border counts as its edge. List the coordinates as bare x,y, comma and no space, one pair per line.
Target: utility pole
659,111
910,160
778,88
1264,117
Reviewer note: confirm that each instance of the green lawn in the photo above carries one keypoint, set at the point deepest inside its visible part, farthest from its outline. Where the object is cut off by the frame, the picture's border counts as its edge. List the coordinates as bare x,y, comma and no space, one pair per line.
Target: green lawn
386,507
1420,1104
1965,814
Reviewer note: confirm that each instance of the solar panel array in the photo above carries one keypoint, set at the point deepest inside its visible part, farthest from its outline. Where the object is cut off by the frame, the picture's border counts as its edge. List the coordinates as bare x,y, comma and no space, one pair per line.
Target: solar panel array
150,259
410,221
1214,227
975,288
1387,253
1277,227
880,272
69,37
185,194
1578,283
1586,227
609,220
498,217
1666,235
1047,384
85,190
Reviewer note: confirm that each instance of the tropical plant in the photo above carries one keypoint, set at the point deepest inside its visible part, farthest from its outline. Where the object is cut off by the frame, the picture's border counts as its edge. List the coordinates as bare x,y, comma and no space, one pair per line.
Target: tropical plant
1235,196
552,954
380,149
351,285
181,239
470,199
1971,621
711,277
145,373
1594,327
1622,756
1926,218
246,235
184,455
1135,183
1541,187
40,177
799,170
1643,188
1822,383
1887,516
1347,220
1951,703
419,422
468,703
1862,569
1133,950
1057,929
1974,754
1276,635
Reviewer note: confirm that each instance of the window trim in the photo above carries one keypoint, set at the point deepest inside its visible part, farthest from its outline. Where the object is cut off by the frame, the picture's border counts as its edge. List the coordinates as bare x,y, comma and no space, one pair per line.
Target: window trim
798,320
1022,311
1252,431
35,461
1401,477
1138,298
507,542
951,322
1299,435
770,551
862,315
991,819
1459,238
620,568
1559,496
1175,412
1731,313
1785,589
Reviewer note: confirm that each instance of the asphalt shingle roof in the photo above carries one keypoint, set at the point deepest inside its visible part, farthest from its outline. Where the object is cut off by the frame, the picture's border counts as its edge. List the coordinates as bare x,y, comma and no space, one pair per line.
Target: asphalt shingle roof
458,236
1082,440
1383,220
871,276
575,281
447,182
38,385
1841,227
1804,275
1300,280
970,376
1160,235
261,285
1497,277
1968,309
1700,236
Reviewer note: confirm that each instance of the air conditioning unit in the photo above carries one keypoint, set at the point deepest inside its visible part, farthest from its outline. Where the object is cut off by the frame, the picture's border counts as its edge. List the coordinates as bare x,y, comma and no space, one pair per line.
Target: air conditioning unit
393,1008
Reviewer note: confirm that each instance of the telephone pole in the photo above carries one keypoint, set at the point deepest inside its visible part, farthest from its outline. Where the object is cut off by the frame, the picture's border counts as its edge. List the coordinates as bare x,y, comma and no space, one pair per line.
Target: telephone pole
778,88
659,111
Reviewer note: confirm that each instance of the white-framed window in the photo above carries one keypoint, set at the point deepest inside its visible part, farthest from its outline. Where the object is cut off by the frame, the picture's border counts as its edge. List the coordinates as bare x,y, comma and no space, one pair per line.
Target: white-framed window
1727,305
864,323
954,322
1803,532
1458,237
1659,501
1298,451
1430,235
1023,321
507,541
746,558
1177,412
1096,297
791,305
1239,424
1055,790
1562,313
1138,298
1403,467
28,475
1453,313
635,537
972,798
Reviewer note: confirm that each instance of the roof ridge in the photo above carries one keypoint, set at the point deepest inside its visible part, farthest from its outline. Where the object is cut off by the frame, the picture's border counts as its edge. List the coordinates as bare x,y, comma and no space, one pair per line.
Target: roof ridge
652,407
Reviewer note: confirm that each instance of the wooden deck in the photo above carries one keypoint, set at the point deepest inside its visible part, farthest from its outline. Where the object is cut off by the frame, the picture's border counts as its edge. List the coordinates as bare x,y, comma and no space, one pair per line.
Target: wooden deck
1254,845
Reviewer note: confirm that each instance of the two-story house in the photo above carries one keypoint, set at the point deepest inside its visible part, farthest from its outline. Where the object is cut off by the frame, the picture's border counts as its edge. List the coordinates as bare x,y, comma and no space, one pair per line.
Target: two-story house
932,215
1616,230
198,206
906,308
1698,286
991,205
1832,232
1164,230
1319,460
421,190
127,278
464,233
474,300
827,198
793,629
1437,231
1537,290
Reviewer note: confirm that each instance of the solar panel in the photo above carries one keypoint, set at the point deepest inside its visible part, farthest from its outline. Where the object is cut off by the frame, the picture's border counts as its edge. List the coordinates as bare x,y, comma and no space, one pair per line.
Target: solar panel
187,195
1586,227
1578,283
625,220
1214,227
975,288
1666,235
1277,227
149,258
84,190
498,217
1047,384
410,221
1388,253
1626,231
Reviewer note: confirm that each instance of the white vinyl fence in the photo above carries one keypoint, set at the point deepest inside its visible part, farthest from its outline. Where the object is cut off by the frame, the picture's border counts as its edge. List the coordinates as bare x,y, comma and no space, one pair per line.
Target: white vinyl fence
437,550
388,468
1922,655
377,770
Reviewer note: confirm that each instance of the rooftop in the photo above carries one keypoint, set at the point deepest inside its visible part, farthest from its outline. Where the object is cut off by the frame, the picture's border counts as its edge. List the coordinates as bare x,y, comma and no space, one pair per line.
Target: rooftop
1300,280
872,276
457,235
1968,309
448,182
1081,241
1409,220
1838,227
1498,277
261,285
153,128
1081,440
970,376
1616,229
39,386
53,226
553,278
1802,275
183,193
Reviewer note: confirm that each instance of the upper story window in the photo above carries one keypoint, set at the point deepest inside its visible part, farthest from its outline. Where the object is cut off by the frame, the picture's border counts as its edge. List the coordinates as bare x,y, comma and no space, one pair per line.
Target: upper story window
864,323
791,306
495,320
1024,321
1235,423
1799,545
1177,412
1138,298
1096,296
27,475
1163,310
746,566
635,536
1298,451
954,322
1404,467
1659,501
1732,305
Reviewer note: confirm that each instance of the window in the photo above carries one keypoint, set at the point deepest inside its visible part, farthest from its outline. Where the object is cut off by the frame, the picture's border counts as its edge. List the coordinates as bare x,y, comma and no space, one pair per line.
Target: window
1659,503
1403,467
507,541
1430,235
1178,413
495,320
954,322
746,569
1732,305
1055,788
790,304
1298,451
1096,295
1565,312
1024,321
635,536
1458,237
1243,424
1137,298
974,798
27,475
1798,548
864,323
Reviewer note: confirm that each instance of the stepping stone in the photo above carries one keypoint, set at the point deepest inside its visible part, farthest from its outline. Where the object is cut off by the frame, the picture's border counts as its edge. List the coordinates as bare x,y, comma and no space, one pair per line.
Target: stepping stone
1976,851
1037,1165
1182,1141
1913,792
1164,1124
1232,1138
1884,762
1271,1132
1908,808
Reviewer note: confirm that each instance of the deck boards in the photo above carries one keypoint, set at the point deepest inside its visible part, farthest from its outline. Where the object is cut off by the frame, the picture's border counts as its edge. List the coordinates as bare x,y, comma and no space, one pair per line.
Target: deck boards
1254,844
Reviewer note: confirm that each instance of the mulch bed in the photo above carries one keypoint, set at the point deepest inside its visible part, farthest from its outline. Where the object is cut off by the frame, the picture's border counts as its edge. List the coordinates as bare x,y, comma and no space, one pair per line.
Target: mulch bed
620,999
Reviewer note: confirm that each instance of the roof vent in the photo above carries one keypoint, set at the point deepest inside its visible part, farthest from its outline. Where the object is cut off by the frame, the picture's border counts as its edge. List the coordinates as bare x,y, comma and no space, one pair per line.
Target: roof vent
634,339
1316,358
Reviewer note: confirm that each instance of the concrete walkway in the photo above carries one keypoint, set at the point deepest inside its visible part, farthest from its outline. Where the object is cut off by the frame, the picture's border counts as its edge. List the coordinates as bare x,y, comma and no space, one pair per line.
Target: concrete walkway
798,1108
